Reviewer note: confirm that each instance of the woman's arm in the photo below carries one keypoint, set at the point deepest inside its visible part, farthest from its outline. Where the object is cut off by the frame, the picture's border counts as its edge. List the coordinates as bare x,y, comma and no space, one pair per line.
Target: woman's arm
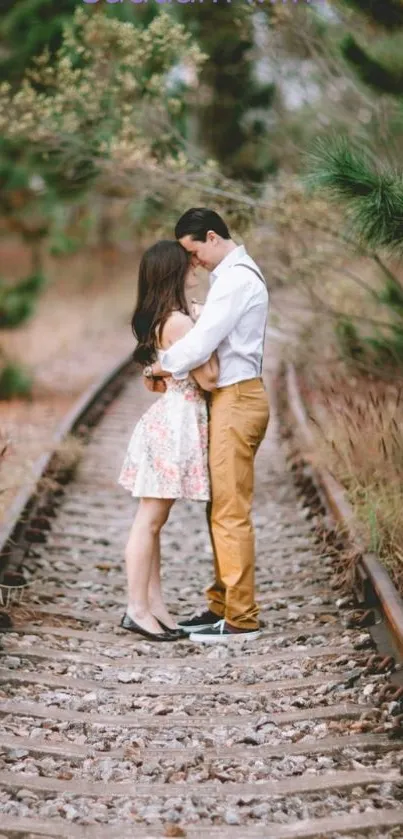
175,328
207,375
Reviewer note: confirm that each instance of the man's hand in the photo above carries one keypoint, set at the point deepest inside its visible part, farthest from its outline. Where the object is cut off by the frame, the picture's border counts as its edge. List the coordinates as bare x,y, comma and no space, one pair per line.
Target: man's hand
157,369
155,385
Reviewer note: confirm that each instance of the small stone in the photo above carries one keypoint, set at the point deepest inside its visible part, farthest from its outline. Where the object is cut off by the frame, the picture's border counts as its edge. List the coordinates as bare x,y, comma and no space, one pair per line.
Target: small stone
260,810
49,808
299,702
90,697
16,754
71,812
231,817
25,793
368,690
342,602
324,762
11,661
162,710
126,678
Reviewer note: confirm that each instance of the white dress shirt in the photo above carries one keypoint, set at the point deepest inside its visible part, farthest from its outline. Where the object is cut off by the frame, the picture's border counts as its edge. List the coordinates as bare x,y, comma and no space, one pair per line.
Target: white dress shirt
233,322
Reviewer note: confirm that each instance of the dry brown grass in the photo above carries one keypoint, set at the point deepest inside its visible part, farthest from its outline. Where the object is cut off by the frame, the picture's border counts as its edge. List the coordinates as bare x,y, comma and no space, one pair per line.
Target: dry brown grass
359,432
357,418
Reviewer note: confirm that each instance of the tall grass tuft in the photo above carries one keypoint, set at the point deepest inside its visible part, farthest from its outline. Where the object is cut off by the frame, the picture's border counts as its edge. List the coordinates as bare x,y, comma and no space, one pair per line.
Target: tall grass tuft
359,430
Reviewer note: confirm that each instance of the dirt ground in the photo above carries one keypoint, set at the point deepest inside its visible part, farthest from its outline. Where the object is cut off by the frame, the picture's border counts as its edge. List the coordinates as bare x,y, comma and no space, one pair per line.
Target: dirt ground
80,329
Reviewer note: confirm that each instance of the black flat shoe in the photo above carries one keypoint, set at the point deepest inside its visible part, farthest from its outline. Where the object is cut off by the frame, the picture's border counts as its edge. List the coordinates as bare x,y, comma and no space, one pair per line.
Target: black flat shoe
132,626
177,632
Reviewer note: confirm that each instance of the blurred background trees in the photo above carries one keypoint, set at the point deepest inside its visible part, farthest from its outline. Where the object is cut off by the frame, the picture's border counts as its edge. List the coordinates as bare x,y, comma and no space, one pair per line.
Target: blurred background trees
232,107
377,55
113,116
79,91
286,117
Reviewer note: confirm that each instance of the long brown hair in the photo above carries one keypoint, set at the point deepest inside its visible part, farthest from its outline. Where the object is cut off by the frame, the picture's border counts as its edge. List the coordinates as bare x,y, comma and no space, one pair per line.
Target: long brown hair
161,290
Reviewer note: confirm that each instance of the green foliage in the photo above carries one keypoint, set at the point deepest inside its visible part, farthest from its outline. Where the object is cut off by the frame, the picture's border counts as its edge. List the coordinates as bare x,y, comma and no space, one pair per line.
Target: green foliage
61,244
379,351
231,119
148,213
377,61
349,339
28,27
340,168
26,199
392,295
17,302
14,381
382,73
386,13
387,349
373,195
102,98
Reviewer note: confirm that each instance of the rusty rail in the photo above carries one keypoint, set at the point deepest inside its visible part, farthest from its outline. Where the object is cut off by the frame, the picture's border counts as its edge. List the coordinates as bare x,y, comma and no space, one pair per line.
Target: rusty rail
384,592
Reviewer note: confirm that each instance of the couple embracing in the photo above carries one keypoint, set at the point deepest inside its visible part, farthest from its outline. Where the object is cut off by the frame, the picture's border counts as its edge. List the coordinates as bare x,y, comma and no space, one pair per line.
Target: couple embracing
197,441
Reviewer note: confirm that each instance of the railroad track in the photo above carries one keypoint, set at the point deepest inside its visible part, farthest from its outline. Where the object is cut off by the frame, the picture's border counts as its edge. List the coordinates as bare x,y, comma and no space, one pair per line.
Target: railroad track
103,735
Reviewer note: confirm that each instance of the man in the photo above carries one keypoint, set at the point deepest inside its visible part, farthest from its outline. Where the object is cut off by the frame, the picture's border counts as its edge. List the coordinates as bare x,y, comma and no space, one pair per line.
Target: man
233,322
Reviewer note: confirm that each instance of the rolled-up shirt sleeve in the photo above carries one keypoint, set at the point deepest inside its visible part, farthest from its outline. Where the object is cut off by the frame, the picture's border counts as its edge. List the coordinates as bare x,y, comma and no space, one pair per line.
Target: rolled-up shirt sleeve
223,308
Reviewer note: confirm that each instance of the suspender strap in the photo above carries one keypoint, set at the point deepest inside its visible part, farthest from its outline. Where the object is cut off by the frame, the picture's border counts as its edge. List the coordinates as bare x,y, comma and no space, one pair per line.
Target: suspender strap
258,274
262,279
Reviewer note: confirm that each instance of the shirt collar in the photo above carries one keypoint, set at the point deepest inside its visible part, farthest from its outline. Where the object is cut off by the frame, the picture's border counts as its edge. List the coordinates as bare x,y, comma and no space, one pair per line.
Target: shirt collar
228,261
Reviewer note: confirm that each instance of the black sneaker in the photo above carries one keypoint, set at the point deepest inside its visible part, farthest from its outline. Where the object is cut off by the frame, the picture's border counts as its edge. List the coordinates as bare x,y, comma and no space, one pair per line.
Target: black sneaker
222,633
202,620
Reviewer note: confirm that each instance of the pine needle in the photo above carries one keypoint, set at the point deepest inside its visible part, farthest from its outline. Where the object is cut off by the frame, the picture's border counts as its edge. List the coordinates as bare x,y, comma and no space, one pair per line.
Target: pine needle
373,195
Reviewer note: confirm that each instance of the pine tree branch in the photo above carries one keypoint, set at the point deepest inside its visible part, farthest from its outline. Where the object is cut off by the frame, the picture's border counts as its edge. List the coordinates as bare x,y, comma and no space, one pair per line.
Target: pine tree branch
373,195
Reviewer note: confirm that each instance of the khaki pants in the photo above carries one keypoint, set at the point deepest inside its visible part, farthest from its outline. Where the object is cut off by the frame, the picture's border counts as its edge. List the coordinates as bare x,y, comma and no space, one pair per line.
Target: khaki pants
239,415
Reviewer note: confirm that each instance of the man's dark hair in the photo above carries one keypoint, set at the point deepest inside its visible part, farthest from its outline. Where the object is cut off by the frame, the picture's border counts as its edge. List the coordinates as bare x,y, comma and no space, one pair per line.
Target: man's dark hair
198,221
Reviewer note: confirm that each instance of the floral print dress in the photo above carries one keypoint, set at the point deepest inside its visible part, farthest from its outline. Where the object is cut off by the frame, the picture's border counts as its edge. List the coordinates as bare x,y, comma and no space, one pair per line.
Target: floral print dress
167,455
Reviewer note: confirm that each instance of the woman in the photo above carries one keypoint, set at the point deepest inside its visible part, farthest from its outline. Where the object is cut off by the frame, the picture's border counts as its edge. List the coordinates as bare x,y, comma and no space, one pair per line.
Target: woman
167,454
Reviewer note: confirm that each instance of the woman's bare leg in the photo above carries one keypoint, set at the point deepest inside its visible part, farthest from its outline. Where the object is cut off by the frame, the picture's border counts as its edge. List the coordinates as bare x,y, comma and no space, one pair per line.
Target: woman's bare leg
142,544
155,596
